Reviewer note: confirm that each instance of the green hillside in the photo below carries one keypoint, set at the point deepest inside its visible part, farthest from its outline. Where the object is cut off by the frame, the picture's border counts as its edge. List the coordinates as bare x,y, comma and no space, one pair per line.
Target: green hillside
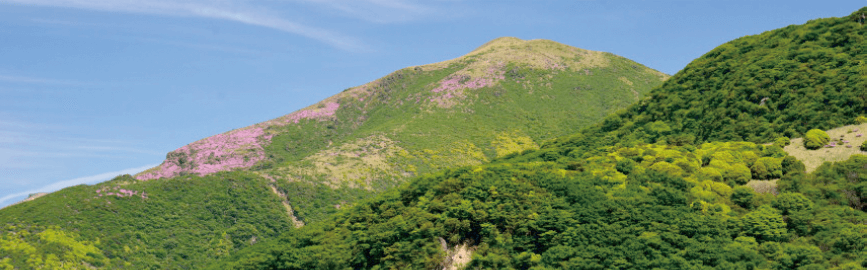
676,181
756,88
216,196
129,224
506,96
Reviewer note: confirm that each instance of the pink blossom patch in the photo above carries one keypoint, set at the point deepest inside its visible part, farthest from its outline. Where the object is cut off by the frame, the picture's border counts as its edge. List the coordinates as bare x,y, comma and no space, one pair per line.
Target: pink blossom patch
453,85
326,111
240,148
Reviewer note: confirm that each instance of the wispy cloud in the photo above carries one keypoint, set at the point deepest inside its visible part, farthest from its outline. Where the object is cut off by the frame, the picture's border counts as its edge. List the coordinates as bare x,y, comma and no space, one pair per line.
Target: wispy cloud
29,145
72,182
378,11
231,10
33,80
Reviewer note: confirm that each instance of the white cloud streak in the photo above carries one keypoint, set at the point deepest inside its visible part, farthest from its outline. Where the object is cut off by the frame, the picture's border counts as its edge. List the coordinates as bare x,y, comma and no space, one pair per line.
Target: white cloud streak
234,10
31,80
378,11
72,182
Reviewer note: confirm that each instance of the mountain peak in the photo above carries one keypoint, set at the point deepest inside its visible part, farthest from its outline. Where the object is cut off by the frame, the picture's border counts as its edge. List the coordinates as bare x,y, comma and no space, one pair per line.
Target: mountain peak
485,60
508,63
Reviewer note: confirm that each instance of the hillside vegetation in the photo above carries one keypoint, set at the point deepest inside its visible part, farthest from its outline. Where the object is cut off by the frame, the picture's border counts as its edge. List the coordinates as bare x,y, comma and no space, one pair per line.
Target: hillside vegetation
635,210
129,224
755,88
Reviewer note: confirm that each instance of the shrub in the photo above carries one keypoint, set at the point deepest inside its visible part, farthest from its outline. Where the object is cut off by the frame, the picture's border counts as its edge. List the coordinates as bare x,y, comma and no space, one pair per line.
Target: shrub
816,138
792,202
792,164
767,168
782,142
625,166
864,146
765,224
708,173
667,168
739,174
861,119
743,196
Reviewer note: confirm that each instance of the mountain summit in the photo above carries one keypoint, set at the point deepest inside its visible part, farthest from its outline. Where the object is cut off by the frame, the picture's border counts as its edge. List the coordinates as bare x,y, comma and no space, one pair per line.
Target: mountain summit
504,78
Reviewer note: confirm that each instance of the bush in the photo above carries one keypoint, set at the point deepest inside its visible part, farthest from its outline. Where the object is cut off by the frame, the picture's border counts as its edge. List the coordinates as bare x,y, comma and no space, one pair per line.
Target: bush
743,196
792,202
861,119
792,164
739,174
708,173
625,166
767,168
864,146
816,138
782,142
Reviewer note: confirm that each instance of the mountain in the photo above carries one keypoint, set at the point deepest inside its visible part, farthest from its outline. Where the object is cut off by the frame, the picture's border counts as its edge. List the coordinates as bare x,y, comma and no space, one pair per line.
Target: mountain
506,96
216,196
676,181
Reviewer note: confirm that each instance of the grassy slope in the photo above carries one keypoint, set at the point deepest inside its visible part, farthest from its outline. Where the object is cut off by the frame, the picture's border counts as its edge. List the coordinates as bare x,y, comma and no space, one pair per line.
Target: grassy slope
842,136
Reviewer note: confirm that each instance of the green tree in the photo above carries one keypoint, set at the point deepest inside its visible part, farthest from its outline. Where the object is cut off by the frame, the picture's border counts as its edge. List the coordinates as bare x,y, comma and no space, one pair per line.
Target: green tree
739,174
792,202
743,196
765,224
767,168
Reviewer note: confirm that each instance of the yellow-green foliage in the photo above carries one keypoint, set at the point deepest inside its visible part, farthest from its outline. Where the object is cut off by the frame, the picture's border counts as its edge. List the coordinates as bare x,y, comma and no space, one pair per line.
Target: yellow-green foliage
48,249
726,161
507,143
709,173
667,168
815,139
782,142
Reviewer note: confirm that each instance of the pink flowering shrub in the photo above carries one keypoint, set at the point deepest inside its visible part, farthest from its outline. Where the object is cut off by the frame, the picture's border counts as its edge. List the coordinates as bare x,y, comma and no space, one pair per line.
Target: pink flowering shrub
453,85
240,148
119,192
326,111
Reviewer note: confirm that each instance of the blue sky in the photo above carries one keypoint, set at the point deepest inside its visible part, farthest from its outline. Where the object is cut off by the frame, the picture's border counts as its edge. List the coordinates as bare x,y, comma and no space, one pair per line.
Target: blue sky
90,89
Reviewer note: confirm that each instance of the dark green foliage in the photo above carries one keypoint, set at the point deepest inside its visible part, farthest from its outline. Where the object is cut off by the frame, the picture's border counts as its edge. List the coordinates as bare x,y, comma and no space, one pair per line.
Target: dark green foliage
791,164
625,166
792,202
743,196
863,146
765,224
531,214
815,139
